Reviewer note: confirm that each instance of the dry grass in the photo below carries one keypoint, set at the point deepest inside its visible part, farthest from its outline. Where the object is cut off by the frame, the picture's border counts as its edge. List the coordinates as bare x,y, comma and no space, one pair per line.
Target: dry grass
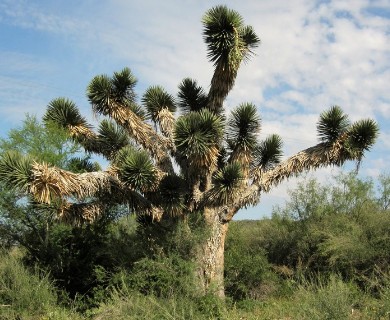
49,183
167,122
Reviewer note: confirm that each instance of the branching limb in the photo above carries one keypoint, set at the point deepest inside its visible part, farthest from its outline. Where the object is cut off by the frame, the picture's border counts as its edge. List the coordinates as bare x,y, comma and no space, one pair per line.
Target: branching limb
349,144
49,184
229,42
114,97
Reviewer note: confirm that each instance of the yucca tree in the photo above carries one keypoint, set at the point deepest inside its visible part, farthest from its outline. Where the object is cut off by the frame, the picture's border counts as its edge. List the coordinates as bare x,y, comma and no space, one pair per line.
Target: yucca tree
202,161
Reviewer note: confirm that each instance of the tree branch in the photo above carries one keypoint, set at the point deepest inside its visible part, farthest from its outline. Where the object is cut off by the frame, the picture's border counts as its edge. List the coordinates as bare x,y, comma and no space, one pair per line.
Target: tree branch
144,134
48,183
320,155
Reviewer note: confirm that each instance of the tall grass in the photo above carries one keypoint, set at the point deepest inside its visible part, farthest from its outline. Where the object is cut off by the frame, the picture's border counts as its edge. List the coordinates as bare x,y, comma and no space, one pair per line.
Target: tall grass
327,299
27,295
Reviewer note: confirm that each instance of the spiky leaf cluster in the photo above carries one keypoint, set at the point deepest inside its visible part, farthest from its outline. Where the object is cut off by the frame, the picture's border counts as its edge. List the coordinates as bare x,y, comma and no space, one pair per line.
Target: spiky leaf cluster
81,165
122,154
362,135
268,153
243,127
99,92
332,124
228,39
197,137
111,138
103,90
227,183
250,39
229,42
359,136
172,193
191,96
123,83
155,100
65,114
15,170
137,171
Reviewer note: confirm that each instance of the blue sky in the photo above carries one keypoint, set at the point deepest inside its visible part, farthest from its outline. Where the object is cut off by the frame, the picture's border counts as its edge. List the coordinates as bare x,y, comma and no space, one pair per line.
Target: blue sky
314,54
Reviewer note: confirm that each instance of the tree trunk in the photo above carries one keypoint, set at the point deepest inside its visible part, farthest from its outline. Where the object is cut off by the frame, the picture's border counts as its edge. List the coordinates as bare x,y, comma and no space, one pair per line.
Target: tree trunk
211,255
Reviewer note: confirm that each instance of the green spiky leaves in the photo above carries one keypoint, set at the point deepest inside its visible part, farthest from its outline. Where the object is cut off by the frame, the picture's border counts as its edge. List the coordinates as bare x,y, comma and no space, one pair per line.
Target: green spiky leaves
172,192
191,96
111,138
81,165
362,135
64,113
136,170
227,183
103,90
332,124
155,100
268,153
15,170
358,136
123,83
99,93
243,127
227,38
220,32
229,42
197,137
250,38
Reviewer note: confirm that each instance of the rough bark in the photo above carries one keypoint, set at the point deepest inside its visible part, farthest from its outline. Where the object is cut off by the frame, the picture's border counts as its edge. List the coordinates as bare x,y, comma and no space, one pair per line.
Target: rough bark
211,255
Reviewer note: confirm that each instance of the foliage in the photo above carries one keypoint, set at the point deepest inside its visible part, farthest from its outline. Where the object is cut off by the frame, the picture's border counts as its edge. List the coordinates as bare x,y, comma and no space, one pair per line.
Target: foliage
70,254
132,305
332,299
41,142
26,295
159,276
248,274
321,264
339,227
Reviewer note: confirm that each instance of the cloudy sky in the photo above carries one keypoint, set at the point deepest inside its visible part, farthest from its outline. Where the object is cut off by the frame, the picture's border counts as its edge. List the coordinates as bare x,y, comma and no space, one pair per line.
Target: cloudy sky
313,54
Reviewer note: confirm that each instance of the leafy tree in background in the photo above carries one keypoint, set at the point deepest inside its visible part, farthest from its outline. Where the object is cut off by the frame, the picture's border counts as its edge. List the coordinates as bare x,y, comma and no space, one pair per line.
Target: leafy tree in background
169,168
70,253
338,227
46,143
43,142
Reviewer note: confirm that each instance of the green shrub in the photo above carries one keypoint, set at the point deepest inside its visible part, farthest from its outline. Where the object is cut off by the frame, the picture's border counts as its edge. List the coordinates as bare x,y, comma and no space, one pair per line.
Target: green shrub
248,274
160,276
326,300
211,306
126,303
26,295
134,306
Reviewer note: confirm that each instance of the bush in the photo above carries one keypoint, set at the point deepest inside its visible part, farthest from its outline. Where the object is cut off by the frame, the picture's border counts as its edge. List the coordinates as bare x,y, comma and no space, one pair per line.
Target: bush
159,276
26,295
326,300
134,306
337,228
248,274
72,255
128,304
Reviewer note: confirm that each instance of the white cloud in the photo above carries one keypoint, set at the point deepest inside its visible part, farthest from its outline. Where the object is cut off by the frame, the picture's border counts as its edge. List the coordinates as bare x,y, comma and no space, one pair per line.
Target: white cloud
30,15
325,57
